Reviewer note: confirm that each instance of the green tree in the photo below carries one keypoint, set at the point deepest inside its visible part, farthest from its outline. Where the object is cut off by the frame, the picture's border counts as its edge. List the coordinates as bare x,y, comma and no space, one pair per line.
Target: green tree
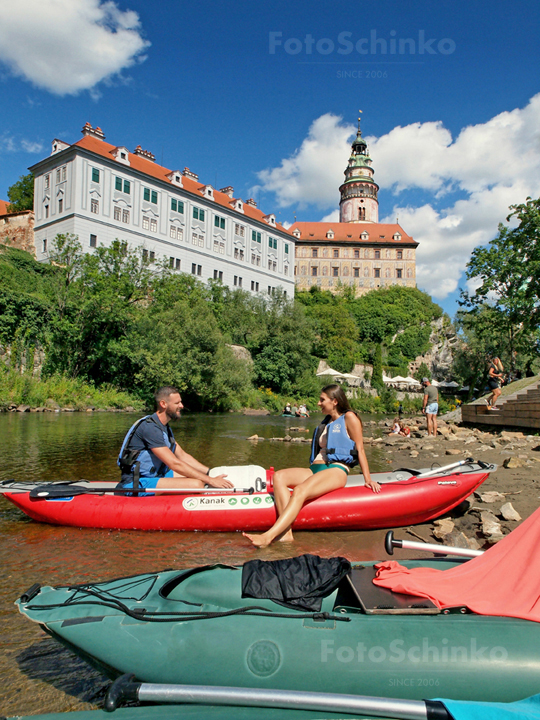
507,272
21,194
377,377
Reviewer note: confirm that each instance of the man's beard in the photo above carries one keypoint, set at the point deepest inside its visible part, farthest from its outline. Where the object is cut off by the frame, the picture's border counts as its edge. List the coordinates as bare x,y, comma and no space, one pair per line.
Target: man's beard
172,414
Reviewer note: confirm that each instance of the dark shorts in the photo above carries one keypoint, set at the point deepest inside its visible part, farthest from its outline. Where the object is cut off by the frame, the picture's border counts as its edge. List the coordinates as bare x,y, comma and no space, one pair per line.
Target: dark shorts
318,467
493,384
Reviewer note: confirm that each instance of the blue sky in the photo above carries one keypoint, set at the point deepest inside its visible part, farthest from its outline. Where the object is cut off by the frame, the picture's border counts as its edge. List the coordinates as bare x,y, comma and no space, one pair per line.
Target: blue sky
264,96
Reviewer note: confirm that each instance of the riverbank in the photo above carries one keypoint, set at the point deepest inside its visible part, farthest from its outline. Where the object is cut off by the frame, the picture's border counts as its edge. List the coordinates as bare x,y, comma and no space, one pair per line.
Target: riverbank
516,480
24,393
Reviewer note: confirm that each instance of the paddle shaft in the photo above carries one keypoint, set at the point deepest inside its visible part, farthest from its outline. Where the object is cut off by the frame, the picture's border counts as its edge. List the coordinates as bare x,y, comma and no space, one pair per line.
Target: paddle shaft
437,471
390,543
78,490
126,689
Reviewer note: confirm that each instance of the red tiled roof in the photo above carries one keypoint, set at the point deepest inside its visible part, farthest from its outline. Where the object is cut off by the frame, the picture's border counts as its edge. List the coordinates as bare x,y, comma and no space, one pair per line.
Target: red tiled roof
3,207
141,164
350,232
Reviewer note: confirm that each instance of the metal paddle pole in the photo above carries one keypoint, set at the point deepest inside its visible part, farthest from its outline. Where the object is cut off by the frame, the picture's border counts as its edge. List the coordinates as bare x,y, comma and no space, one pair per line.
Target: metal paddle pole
125,689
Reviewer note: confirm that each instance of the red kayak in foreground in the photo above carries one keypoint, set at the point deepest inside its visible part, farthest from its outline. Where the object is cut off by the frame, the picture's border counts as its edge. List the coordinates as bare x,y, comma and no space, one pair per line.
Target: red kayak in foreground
407,497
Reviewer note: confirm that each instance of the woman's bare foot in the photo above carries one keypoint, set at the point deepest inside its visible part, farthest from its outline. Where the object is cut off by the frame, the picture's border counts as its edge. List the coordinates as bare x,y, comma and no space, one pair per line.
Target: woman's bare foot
260,541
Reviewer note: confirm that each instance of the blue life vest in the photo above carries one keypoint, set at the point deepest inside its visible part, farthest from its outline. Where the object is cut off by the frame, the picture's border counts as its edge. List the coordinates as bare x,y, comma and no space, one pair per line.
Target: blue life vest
149,464
339,446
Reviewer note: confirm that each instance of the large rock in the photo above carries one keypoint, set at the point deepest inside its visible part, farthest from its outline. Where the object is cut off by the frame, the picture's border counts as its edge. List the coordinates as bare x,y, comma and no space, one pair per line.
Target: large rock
454,451
491,496
508,512
490,524
443,527
514,462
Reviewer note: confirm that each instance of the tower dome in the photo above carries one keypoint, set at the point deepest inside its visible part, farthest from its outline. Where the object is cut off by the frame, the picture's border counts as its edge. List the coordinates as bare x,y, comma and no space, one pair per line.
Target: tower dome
359,201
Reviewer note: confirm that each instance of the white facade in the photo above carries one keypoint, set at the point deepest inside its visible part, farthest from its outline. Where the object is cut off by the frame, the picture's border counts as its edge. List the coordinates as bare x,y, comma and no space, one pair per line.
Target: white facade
101,193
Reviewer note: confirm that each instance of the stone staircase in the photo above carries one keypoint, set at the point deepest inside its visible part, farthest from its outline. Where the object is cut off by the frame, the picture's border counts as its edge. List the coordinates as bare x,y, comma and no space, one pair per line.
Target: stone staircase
518,409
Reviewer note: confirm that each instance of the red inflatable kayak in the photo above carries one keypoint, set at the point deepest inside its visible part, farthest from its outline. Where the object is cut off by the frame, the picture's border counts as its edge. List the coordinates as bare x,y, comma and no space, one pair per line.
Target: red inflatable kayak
406,497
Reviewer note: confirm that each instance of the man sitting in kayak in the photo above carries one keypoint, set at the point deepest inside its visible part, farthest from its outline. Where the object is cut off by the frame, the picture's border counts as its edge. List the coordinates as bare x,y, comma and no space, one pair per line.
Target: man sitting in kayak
337,446
151,458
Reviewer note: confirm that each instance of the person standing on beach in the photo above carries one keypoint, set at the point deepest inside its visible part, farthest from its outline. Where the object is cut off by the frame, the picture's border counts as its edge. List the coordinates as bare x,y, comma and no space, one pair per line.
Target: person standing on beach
431,406
495,377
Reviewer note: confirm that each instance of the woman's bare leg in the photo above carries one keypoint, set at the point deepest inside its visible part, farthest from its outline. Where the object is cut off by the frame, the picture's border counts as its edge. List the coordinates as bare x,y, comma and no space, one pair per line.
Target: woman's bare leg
314,486
283,480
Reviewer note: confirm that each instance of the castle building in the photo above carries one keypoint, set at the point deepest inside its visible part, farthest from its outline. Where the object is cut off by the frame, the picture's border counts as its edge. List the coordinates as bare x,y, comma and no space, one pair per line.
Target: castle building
102,192
357,251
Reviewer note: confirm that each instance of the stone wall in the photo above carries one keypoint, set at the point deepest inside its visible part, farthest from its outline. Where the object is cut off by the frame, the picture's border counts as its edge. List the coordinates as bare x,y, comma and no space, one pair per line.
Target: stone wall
17,230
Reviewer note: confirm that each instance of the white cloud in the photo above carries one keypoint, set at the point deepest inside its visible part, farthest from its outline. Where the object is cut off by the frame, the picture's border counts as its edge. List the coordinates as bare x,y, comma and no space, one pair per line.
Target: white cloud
65,46
31,146
314,173
492,165
10,144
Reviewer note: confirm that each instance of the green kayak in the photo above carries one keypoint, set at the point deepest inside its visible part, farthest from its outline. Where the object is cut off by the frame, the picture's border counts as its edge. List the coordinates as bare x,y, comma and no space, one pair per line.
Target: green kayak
193,627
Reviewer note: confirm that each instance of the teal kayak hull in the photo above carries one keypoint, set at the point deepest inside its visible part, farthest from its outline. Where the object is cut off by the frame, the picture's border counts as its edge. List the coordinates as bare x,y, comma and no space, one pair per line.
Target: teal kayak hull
211,641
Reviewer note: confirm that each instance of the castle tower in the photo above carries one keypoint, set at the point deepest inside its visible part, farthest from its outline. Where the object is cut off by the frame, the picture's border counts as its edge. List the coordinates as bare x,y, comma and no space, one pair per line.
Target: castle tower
359,191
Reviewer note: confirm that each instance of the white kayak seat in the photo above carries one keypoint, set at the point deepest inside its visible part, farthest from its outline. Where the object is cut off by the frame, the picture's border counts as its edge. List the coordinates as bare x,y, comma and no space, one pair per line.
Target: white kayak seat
242,476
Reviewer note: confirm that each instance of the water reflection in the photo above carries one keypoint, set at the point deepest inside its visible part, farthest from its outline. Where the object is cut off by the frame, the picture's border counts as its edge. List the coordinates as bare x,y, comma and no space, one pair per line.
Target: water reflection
40,676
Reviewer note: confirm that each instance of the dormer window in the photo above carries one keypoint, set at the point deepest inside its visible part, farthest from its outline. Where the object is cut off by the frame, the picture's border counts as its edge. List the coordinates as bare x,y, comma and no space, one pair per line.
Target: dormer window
296,233
238,205
270,219
121,154
364,236
175,178
208,191
396,236
330,234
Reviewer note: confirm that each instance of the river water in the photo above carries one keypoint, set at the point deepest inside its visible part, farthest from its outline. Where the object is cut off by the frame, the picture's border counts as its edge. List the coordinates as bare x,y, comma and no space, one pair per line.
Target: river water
36,674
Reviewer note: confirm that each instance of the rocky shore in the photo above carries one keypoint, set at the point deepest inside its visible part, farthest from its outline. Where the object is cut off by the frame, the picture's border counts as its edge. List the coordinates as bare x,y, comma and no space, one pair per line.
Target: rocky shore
508,496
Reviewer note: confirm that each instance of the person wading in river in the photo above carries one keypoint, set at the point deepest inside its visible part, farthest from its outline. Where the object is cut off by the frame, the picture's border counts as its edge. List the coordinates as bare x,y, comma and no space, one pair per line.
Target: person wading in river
151,458
337,446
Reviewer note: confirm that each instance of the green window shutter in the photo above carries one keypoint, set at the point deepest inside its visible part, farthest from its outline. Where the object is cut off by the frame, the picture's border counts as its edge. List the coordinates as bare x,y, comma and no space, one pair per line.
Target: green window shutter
95,175
146,194
173,204
253,235
286,248
201,214
216,221
154,197
223,223
180,207
195,213
127,187
118,184
269,242
258,237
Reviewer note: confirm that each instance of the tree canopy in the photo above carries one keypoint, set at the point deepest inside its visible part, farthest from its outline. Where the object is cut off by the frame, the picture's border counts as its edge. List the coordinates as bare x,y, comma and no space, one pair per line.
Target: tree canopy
21,194
502,315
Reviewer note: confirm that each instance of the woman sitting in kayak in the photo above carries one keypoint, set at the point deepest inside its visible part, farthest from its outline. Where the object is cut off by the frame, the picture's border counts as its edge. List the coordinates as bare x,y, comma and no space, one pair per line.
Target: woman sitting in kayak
337,446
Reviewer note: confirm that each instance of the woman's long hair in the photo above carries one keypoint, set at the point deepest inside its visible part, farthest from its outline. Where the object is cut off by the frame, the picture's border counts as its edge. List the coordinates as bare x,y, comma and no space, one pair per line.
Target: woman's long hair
335,392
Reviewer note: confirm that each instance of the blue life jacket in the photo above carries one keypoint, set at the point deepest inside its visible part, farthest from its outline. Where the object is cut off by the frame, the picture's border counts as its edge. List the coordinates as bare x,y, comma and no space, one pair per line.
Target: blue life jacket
149,464
339,446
